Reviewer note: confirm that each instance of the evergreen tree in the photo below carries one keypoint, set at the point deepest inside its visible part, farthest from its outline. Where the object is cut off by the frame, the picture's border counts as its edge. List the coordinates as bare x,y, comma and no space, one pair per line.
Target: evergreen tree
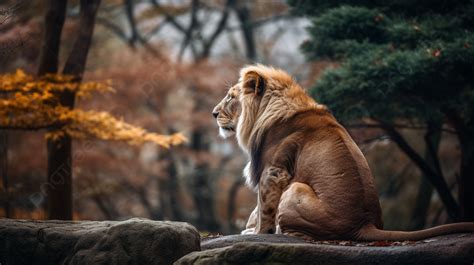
402,64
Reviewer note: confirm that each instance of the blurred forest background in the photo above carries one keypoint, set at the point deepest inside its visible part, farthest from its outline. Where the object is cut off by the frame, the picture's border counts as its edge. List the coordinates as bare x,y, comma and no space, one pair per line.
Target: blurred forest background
398,74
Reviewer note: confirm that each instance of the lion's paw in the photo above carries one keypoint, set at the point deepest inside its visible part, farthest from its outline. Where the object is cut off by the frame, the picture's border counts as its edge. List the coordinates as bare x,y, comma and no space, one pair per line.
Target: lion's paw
248,231
278,230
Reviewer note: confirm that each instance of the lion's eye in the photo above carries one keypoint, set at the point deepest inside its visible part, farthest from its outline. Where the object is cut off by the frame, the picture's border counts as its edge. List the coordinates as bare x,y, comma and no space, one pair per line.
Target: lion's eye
228,98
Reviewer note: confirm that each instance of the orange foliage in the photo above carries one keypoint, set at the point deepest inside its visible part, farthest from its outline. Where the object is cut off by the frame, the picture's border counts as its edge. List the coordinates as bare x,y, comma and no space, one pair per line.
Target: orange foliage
31,103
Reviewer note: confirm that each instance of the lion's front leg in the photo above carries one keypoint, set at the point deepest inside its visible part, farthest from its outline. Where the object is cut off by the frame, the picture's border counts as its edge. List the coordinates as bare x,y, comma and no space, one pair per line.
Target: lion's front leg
274,180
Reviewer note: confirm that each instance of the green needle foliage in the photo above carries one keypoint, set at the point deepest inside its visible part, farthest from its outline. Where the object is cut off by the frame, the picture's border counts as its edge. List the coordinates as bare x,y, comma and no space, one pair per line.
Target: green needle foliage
399,59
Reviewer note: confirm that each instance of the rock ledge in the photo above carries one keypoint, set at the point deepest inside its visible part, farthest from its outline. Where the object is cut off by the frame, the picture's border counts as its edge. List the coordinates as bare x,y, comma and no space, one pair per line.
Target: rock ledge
278,249
135,241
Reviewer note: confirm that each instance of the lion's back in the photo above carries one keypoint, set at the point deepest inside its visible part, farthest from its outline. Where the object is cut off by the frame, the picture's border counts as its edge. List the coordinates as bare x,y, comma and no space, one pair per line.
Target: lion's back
332,164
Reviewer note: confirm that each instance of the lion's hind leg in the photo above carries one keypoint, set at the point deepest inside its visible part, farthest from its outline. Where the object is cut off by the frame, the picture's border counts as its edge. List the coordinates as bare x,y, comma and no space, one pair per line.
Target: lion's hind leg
301,213
251,223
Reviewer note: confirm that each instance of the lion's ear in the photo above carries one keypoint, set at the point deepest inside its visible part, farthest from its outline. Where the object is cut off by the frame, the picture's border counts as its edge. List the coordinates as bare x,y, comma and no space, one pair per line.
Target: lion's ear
253,82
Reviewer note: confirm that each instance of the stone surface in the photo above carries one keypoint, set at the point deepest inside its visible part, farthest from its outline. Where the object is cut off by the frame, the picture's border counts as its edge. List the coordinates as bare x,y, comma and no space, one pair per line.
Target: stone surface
450,249
135,241
224,241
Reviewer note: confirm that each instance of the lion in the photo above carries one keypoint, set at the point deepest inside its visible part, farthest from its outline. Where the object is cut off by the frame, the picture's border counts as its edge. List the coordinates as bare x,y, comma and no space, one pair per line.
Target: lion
311,178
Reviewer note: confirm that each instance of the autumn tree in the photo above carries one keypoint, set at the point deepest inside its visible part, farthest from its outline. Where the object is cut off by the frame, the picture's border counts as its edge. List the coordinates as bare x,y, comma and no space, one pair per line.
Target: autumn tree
47,102
402,65
29,103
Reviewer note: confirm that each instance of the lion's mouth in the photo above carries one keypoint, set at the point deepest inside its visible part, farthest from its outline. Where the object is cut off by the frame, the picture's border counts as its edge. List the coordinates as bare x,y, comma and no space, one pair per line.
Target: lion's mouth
226,131
228,128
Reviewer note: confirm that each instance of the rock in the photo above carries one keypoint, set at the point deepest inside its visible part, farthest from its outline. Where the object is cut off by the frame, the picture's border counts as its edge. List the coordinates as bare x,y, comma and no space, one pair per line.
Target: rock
449,249
135,241
224,241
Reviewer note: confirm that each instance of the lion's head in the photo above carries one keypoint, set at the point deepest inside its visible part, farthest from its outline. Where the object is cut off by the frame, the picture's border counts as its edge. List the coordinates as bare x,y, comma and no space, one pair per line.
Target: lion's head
227,112
267,95
262,96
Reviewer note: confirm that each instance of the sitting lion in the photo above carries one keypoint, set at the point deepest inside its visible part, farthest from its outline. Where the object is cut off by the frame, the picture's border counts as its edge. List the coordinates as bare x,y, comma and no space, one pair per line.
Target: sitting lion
312,179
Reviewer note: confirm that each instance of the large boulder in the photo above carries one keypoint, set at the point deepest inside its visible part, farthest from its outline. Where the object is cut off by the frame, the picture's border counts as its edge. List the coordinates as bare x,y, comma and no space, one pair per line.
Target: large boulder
135,241
278,249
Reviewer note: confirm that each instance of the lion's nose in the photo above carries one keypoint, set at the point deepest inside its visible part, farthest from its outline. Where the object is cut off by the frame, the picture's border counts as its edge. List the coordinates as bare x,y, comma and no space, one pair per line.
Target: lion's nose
215,114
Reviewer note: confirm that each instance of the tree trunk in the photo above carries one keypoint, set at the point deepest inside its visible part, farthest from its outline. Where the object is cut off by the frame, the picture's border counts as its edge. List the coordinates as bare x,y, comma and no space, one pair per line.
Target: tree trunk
466,176
244,16
58,184
425,189
168,190
174,188
110,213
231,204
422,204
203,195
60,151
202,188
465,132
59,190
433,176
466,184
154,212
4,171
76,62
54,21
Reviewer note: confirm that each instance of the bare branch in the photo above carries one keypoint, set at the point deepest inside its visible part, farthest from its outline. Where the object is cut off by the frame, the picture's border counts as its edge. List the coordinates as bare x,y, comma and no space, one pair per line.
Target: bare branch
261,22
375,139
189,31
244,16
113,27
169,18
135,35
154,31
207,44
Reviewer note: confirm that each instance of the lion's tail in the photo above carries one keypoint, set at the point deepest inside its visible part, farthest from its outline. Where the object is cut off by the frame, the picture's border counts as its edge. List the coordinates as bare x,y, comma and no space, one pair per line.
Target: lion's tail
371,233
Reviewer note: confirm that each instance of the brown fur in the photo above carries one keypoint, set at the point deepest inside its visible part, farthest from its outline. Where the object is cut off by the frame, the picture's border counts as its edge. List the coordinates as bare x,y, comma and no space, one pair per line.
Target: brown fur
312,179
